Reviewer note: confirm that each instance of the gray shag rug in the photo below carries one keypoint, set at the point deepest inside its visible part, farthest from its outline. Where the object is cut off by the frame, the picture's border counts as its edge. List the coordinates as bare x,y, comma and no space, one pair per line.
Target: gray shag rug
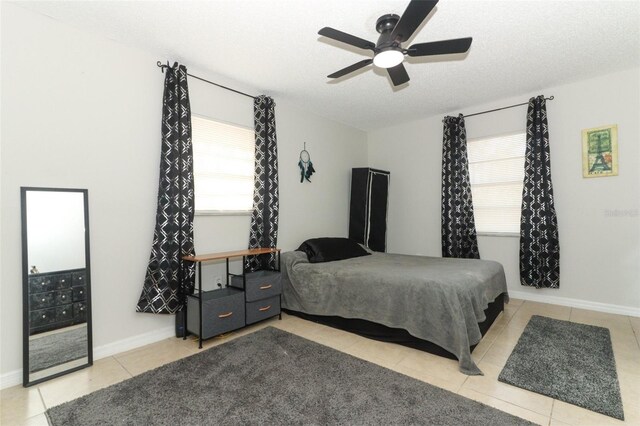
567,361
57,348
274,377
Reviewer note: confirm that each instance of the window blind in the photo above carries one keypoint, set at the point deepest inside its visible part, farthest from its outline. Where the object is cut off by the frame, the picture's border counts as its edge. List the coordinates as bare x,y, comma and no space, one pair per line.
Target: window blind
223,166
496,170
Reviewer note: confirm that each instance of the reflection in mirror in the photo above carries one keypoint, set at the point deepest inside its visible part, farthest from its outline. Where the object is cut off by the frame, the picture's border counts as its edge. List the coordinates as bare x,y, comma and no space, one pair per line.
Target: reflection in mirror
56,231
57,326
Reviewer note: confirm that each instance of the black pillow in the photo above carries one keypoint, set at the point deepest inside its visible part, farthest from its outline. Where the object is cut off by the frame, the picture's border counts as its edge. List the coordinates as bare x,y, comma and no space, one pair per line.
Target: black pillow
329,249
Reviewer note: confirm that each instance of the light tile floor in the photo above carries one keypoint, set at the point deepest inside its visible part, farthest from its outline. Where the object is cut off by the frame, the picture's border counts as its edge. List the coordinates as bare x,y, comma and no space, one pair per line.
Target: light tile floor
22,406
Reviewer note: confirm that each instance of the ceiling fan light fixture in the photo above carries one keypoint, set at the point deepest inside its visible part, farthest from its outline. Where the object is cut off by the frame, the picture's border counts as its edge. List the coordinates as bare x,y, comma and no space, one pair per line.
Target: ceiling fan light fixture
394,30
388,58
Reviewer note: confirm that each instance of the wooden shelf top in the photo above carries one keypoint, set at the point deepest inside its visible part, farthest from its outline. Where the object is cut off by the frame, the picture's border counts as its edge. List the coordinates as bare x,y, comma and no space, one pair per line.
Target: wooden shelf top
228,254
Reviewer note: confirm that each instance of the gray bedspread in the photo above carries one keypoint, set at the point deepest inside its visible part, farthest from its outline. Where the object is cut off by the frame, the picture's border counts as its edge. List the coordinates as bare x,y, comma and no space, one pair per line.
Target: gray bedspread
441,300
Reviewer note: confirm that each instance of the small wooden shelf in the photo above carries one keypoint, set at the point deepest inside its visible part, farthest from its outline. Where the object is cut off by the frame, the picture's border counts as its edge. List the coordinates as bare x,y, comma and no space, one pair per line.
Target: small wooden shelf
229,254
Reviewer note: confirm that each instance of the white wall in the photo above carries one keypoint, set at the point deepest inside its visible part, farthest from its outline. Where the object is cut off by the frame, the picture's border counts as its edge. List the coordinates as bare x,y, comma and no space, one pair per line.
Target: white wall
307,209
598,218
81,111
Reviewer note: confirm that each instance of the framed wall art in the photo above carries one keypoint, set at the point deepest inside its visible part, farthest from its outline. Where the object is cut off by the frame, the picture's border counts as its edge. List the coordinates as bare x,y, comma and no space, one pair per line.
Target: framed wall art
600,151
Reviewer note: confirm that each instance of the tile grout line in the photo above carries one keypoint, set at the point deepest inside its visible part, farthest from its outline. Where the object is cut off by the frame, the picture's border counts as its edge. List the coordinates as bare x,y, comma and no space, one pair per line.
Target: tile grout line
511,403
553,405
463,383
493,342
42,400
633,330
495,397
123,367
499,334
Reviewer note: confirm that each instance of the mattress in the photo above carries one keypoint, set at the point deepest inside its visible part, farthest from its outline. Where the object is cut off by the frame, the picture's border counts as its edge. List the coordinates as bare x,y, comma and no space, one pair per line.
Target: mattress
441,300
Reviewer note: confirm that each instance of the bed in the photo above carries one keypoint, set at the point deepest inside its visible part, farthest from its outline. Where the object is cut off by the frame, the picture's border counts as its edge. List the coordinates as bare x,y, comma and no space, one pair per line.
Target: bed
443,303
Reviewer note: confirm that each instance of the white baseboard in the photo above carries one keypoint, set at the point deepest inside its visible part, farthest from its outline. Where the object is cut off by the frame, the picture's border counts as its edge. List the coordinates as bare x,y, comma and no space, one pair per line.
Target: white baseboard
576,303
13,378
133,342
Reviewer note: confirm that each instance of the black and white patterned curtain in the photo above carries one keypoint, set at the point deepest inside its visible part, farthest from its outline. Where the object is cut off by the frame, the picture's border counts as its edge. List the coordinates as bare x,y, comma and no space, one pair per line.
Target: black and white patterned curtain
264,219
458,225
168,280
539,246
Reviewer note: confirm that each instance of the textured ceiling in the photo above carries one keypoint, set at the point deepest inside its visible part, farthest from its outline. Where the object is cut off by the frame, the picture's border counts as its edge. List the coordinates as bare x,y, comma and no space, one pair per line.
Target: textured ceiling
272,45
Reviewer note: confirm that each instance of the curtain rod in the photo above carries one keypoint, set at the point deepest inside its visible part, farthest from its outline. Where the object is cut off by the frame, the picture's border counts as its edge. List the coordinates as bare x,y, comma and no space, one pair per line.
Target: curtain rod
163,66
550,98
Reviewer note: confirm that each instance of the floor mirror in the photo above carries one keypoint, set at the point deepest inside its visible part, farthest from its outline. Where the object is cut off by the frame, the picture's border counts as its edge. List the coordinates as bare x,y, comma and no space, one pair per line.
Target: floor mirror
56,283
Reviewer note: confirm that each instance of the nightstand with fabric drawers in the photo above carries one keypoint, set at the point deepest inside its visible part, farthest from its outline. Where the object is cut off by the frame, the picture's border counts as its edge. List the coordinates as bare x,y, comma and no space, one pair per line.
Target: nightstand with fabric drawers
51,300
262,290
246,298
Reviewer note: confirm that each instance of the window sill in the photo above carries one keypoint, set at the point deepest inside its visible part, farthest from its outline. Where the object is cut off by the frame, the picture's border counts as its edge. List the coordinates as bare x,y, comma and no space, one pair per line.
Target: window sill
223,213
499,234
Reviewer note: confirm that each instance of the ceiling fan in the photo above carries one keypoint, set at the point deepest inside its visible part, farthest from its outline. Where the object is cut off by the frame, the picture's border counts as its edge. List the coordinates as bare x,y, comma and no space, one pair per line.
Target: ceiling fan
394,30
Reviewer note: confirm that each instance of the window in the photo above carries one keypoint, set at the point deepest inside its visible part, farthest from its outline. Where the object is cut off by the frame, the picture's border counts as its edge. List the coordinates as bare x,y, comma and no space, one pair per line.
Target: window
223,163
496,169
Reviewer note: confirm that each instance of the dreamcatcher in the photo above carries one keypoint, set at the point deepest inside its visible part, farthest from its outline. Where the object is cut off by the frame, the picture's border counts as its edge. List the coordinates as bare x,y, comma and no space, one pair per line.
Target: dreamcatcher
305,164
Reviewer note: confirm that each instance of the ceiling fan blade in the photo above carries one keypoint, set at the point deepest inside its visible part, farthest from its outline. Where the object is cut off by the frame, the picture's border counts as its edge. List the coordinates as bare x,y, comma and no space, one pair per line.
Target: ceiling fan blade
350,68
346,38
443,47
398,75
412,18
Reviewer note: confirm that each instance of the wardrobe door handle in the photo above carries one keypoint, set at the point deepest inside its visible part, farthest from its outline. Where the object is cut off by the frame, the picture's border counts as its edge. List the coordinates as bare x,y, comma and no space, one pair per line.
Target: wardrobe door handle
266,308
265,287
228,314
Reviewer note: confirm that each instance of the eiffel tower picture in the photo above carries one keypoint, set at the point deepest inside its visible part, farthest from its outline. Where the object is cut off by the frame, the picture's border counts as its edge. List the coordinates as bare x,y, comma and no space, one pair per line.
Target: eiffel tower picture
600,151
599,143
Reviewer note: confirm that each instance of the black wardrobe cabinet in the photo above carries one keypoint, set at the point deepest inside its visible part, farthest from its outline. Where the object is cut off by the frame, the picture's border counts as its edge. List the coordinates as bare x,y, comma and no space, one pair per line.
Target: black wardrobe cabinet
368,208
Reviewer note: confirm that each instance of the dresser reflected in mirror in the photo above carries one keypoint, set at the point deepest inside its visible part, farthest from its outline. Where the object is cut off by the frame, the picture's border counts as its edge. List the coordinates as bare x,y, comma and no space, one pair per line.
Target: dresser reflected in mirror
56,283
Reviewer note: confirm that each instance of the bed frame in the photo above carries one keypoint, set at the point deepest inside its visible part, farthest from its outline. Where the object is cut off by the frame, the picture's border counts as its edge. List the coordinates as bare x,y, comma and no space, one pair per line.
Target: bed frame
400,336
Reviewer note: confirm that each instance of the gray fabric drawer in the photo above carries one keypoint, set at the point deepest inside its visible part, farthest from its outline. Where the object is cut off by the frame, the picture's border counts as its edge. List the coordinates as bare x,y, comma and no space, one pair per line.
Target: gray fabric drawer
78,278
79,312
260,284
62,281
63,297
42,317
222,311
263,309
79,293
41,284
64,313
41,300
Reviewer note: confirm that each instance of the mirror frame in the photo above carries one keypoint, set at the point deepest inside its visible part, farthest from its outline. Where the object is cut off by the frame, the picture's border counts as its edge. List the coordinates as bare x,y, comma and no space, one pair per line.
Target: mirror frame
25,285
